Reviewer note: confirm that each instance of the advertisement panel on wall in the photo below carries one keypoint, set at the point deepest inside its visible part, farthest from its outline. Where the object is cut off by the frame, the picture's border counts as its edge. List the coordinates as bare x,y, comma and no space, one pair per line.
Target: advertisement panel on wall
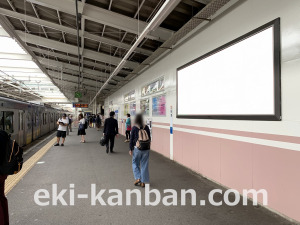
145,106
126,109
129,96
240,80
159,105
132,108
154,87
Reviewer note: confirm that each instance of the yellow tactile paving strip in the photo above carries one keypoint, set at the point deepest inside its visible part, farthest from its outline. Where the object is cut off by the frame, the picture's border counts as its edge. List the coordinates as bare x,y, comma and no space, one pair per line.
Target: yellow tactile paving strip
14,179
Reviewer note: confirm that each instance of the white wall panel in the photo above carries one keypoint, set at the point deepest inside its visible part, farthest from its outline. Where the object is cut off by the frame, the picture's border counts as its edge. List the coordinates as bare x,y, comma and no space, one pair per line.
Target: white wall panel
246,17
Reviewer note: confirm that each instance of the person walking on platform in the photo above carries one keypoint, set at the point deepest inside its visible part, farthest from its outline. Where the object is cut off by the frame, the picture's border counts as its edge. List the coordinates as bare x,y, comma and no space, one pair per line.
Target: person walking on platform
62,129
81,128
91,121
110,131
139,145
94,121
70,123
128,128
98,122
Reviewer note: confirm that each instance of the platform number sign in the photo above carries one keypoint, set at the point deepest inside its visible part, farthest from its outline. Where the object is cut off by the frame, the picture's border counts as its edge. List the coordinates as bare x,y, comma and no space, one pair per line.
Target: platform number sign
78,94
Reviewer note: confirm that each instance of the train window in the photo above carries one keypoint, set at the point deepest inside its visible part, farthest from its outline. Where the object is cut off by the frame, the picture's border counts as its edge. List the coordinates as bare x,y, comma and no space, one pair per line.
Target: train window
29,121
7,121
51,118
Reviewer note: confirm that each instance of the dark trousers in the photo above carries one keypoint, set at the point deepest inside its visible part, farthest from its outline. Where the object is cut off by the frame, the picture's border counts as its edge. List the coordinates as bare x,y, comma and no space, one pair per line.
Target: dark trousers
127,134
3,203
110,143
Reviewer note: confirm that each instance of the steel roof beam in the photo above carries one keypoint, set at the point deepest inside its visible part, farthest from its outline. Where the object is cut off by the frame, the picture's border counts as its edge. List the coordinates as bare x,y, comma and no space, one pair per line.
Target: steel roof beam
106,17
61,65
162,13
72,59
37,15
73,79
69,68
65,29
33,39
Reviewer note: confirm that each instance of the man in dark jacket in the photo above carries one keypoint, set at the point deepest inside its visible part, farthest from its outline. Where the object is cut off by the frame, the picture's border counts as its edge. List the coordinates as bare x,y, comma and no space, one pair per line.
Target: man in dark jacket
110,131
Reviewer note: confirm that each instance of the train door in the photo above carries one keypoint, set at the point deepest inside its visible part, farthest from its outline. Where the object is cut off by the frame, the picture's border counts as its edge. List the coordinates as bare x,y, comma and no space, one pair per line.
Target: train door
21,130
40,123
28,127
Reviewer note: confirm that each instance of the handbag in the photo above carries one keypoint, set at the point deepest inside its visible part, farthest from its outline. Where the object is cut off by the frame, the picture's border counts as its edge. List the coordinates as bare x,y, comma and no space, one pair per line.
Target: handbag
103,141
128,127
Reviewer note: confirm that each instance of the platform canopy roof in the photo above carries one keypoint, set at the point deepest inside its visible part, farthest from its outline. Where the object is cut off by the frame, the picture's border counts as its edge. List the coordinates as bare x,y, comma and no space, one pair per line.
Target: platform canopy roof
20,76
107,30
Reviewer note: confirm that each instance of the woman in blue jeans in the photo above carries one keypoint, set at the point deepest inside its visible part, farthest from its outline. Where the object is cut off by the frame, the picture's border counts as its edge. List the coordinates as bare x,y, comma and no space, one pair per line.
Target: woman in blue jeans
140,158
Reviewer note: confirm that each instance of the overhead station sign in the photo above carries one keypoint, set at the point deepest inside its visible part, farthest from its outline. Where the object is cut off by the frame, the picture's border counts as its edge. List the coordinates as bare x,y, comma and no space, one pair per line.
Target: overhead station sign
78,94
80,105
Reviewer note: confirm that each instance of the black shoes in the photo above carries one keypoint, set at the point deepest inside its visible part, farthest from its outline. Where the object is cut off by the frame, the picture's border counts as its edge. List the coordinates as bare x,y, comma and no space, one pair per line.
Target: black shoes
110,151
57,144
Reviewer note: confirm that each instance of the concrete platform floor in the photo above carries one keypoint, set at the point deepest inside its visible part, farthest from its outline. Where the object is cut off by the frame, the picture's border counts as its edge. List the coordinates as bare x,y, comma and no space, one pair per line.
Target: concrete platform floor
86,164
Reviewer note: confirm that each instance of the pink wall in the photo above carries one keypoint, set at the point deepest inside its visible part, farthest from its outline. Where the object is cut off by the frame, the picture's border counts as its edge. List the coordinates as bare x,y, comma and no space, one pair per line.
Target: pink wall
239,165
161,141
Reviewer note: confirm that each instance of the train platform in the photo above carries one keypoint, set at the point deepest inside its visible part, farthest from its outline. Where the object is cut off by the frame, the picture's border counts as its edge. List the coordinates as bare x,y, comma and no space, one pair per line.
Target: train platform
76,166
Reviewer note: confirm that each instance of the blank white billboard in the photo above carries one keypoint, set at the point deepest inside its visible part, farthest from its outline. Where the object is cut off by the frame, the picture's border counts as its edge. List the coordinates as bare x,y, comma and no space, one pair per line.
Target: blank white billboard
235,80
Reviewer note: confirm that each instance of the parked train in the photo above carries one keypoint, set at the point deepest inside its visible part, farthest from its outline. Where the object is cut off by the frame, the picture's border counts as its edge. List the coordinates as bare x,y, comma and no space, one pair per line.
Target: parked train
27,121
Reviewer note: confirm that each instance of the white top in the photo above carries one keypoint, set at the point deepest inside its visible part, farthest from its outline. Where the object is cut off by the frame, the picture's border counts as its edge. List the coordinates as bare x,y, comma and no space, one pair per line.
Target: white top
65,121
82,121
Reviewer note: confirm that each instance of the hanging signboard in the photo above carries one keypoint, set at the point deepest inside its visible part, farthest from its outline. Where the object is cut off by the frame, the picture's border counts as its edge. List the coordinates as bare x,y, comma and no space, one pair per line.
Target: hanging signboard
154,87
129,96
78,94
80,105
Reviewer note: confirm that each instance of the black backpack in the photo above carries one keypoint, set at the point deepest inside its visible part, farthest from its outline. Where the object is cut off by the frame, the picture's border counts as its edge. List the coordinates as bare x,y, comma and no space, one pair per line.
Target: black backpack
11,160
85,125
143,142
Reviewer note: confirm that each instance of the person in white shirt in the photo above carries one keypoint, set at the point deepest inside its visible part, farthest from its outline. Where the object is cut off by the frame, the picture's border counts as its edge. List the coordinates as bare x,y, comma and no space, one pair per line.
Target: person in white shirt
81,128
62,129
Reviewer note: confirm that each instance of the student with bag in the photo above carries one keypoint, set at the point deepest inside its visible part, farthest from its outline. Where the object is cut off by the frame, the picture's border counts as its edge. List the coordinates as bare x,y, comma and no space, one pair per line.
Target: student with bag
11,162
128,128
81,128
139,145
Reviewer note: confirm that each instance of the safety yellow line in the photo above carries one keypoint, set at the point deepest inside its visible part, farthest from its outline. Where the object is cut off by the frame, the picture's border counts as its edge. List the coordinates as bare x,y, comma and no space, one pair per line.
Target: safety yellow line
14,179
